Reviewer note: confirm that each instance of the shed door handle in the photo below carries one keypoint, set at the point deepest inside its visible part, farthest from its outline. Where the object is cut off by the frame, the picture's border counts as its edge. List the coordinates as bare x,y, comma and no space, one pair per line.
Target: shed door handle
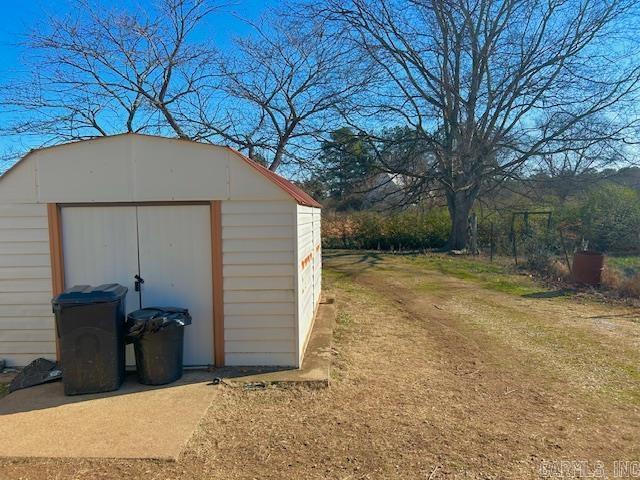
138,283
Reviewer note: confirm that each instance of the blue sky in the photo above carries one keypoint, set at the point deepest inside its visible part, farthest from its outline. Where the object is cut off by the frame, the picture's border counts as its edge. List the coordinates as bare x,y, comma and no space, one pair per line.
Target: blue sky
21,16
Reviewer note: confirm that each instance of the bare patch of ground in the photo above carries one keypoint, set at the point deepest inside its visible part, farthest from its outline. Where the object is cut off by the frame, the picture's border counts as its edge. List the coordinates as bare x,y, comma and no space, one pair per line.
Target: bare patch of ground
434,377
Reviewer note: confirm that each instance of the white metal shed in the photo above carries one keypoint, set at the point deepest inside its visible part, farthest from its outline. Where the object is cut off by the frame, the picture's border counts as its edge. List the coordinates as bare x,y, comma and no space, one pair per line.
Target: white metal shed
206,227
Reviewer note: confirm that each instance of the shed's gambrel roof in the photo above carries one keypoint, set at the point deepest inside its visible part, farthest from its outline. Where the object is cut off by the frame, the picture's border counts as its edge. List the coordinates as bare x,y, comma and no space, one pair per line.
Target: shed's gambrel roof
298,194
295,192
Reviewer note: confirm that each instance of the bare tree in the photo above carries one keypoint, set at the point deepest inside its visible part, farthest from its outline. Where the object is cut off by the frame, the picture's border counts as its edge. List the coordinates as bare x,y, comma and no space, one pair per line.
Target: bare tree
288,80
100,71
493,86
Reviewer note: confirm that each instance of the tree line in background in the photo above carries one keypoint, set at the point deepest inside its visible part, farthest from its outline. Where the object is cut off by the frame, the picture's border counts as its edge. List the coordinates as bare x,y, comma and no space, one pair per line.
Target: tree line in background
393,104
603,214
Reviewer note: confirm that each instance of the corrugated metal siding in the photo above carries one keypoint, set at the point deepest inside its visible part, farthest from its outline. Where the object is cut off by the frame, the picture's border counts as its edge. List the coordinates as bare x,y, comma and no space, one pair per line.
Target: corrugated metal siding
26,322
259,277
309,270
317,256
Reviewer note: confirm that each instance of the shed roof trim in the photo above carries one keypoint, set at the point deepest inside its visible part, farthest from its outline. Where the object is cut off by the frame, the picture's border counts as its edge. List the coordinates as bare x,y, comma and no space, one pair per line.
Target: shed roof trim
295,192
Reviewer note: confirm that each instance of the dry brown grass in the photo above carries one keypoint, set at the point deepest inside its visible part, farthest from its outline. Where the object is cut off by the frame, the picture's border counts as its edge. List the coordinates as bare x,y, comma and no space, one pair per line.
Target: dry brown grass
434,377
559,271
620,285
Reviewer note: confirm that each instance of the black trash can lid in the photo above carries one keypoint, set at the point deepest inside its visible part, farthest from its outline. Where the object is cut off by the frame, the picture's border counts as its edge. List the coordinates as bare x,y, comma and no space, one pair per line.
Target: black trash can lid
153,319
86,294
165,314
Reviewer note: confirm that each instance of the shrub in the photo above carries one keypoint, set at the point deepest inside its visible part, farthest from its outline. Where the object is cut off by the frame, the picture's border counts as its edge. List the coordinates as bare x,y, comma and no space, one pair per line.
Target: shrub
608,217
538,253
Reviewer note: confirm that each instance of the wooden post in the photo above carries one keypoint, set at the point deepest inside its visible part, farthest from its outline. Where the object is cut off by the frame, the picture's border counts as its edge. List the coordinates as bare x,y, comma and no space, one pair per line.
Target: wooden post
491,241
564,248
513,238
216,269
57,261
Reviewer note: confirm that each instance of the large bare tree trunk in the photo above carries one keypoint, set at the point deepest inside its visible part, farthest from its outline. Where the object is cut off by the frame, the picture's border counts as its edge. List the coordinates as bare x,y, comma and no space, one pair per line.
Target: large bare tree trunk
460,205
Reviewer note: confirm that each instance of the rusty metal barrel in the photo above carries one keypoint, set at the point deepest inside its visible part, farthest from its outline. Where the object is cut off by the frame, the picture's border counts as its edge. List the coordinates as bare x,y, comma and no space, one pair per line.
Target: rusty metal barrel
587,267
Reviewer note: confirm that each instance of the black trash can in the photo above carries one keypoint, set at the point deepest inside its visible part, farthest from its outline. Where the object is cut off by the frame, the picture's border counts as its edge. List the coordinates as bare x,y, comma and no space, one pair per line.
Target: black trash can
157,334
90,325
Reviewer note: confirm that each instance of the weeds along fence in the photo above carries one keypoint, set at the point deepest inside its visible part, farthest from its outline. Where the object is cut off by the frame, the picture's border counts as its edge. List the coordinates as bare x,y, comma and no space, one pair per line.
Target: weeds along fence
542,240
526,235
409,230
607,220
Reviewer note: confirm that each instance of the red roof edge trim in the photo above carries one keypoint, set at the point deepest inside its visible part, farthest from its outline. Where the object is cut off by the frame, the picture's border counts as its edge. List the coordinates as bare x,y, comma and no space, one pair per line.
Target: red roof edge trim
299,195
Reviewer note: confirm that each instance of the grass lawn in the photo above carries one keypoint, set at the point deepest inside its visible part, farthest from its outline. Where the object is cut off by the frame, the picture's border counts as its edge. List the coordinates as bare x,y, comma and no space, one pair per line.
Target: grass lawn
499,275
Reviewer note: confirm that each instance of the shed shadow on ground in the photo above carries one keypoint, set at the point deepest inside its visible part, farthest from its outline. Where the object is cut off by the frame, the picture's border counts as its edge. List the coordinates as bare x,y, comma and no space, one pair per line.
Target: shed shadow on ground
239,372
352,263
633,316
548,294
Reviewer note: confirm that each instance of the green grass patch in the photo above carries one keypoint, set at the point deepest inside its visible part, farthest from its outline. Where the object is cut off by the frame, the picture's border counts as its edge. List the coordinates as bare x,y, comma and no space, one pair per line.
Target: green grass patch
628,265
494,276
429,287
343,318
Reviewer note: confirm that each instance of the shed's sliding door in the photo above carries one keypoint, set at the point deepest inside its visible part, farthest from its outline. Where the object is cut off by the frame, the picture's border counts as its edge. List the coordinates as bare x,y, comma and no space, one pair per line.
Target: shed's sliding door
175,262
169,246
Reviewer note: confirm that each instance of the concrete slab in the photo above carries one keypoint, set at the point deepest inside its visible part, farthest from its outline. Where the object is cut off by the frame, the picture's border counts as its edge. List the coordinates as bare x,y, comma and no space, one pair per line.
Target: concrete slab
140,421
316,365
136,421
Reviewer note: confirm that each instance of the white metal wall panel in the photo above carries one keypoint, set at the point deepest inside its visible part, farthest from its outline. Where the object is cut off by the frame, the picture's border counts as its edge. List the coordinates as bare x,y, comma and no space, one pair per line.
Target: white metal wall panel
93,171
263,358
259,282
26,322
317,256
175,262
99,245
19,185
170,169
305,275
136,168
245,183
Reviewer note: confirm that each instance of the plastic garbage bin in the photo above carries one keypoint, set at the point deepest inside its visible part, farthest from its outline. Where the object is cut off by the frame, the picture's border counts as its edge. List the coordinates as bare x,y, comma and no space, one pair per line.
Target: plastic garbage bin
157,334
90,325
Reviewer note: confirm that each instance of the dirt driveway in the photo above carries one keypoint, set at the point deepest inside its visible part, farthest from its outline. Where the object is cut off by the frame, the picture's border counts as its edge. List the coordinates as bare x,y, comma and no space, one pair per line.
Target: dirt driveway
434,377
